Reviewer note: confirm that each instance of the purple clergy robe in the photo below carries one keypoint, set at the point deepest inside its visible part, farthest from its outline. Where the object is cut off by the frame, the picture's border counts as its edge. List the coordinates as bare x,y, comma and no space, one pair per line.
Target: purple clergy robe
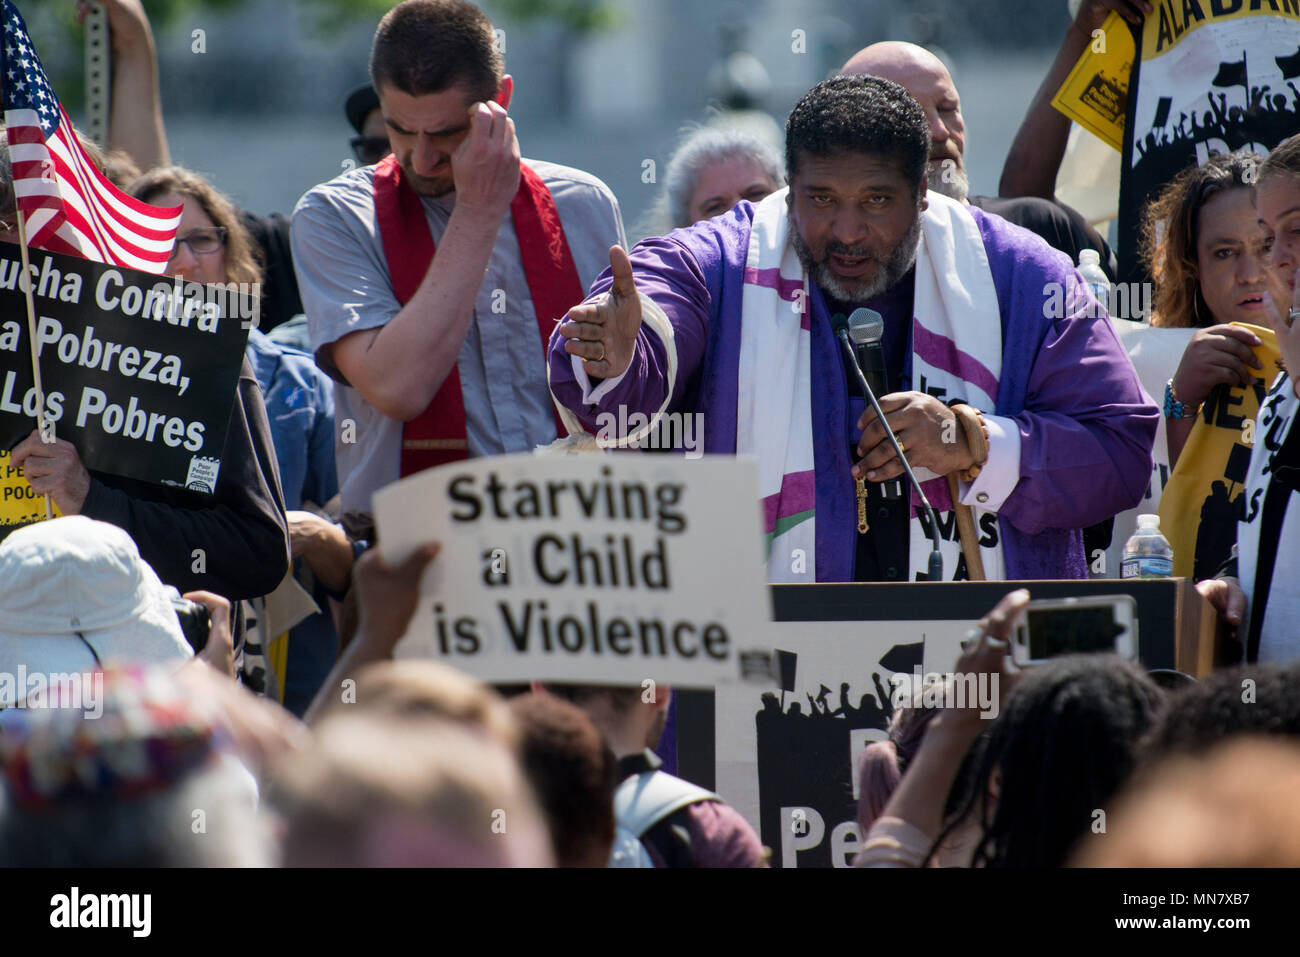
1086,427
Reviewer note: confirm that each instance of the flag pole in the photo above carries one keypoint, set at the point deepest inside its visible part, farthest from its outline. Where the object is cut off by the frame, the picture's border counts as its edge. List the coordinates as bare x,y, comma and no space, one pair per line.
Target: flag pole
26,282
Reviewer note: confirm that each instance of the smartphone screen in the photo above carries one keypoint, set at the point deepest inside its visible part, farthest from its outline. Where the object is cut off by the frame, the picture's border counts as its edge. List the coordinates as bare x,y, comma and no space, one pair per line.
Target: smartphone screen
1065,631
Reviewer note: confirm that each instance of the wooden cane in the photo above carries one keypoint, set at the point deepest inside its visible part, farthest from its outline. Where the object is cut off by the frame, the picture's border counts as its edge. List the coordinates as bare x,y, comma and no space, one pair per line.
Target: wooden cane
970,543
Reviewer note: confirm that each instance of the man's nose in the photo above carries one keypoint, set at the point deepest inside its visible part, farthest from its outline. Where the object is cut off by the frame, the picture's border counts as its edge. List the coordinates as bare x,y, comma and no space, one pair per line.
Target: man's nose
850,227
939,132
426,155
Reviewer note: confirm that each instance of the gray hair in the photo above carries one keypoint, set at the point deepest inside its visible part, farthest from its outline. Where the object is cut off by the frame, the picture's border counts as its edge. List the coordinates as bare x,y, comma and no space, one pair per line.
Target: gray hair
699,149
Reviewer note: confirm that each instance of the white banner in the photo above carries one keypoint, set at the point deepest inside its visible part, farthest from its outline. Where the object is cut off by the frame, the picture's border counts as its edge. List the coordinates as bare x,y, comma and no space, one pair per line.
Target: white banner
788,759
586,568
1155,354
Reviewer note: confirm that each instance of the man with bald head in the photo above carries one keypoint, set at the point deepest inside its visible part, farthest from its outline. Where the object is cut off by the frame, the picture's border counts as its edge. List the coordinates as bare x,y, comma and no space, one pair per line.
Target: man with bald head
926,78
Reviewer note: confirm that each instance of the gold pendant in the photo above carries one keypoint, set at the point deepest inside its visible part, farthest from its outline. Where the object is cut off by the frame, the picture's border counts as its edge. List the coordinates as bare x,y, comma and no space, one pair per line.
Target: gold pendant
862,507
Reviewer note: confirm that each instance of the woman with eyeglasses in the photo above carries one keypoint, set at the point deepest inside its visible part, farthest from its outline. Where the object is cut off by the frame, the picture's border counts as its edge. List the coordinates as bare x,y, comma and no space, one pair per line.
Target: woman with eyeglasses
240,527
212,245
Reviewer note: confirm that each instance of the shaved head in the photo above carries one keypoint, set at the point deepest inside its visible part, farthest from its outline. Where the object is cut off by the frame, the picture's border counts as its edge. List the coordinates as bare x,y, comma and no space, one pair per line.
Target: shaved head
924,76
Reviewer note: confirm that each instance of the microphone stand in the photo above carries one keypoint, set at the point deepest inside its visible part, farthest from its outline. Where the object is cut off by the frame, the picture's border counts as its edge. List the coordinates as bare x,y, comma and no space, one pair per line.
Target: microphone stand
935,572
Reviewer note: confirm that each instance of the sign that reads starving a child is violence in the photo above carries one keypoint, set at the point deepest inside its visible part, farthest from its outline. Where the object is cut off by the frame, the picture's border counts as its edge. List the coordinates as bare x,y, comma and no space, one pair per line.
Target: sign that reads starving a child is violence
139,371
585,568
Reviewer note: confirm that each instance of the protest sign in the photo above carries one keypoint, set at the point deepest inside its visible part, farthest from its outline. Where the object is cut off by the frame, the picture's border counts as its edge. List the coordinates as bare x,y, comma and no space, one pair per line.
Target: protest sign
605,569
1209,76
787,760
19,503
847,655
1095,92
139,371
1206,494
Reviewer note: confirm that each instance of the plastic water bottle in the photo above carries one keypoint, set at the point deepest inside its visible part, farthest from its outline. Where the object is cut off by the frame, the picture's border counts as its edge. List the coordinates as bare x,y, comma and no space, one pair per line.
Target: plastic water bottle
1147,554
1092,273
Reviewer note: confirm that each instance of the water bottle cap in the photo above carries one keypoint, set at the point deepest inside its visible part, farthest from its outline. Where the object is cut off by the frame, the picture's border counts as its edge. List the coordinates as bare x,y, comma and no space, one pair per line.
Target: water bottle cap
1089,257
1148,521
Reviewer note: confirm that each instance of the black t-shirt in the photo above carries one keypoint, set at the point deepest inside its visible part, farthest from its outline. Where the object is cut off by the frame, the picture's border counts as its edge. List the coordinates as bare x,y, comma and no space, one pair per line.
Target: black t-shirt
241,529
281,300
1063,227
882,551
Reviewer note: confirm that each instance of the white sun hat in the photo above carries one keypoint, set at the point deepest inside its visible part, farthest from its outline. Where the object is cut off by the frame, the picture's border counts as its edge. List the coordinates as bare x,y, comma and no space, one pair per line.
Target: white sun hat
72,590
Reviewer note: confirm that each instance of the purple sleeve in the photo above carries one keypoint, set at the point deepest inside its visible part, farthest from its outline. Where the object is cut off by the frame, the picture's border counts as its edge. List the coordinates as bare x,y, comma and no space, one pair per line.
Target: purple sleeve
669,273
721,837
1086,432
1086,426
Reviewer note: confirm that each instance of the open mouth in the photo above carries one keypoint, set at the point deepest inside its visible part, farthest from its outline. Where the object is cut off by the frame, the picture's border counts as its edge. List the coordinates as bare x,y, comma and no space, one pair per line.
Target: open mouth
850,265
1253,301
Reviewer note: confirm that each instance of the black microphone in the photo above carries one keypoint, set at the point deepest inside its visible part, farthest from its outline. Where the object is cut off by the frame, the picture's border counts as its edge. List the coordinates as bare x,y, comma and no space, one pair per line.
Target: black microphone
841,328
866,326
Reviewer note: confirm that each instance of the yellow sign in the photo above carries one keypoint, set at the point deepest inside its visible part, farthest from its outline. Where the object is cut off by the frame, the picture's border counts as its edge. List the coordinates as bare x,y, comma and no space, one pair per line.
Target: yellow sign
20,504
1095,93
1203,498
1173,19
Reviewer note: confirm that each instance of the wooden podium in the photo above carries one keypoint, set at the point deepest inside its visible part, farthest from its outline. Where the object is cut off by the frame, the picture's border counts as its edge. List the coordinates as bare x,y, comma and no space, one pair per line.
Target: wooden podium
1176,629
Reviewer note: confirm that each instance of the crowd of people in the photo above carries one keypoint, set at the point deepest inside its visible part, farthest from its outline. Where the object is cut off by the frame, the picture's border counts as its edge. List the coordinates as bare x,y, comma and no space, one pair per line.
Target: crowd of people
450,299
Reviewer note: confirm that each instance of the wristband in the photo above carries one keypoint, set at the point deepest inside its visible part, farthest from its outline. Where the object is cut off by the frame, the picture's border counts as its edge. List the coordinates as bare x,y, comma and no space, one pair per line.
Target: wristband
1176,409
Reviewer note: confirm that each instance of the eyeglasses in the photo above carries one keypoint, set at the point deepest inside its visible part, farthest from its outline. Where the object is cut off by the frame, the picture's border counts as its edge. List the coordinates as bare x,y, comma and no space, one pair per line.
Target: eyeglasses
370,149
201,241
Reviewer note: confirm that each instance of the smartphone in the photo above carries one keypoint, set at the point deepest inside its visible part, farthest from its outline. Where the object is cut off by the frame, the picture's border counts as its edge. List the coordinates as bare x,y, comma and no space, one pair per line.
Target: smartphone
1066,626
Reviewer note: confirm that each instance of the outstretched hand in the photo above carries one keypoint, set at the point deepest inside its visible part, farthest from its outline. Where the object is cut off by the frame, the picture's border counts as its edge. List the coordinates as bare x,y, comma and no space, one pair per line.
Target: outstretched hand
603,334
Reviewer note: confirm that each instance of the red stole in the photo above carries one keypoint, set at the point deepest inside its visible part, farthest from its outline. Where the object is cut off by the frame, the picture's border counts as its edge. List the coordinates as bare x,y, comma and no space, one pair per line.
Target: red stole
437,435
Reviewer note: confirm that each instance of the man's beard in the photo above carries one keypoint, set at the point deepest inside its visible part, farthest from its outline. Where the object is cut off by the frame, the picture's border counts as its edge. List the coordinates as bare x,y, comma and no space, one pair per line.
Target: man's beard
950,179
424,186
857,290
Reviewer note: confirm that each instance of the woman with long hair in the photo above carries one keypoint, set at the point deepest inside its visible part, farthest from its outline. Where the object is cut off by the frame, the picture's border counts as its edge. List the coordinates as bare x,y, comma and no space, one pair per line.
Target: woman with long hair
1204,248
212,245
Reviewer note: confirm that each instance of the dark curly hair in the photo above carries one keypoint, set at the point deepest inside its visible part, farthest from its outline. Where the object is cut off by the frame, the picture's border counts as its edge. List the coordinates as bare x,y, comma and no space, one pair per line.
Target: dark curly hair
859,114
1063,745
1171,225
1223,705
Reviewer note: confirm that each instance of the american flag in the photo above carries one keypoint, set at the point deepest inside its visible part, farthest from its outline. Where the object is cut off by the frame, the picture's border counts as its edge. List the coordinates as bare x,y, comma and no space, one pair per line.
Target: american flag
69,205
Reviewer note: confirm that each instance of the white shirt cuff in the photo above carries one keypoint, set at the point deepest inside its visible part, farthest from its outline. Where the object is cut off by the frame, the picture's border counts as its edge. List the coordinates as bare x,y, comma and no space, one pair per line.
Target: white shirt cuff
1001,473
592,396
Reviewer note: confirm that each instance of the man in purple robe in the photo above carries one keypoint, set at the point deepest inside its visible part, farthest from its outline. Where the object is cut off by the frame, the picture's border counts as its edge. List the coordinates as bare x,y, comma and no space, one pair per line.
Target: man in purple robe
1066,429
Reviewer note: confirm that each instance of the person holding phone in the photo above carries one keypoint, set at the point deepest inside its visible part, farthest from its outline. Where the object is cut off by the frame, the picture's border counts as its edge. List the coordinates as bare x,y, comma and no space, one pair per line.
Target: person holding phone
1084,712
